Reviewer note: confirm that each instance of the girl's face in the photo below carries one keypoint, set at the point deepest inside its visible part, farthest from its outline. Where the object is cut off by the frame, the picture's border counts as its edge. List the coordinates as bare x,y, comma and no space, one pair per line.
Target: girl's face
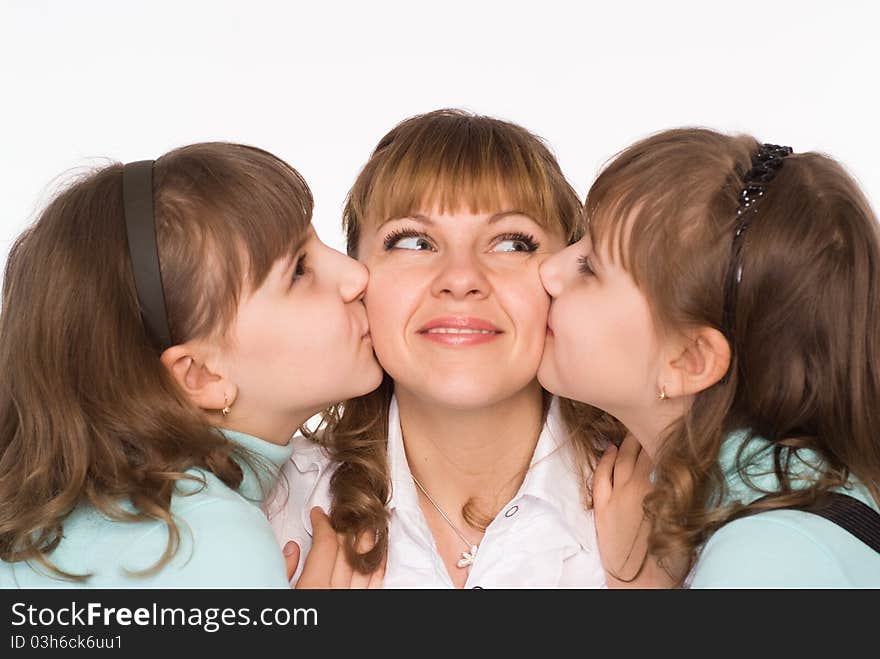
456,307
301,341
601,344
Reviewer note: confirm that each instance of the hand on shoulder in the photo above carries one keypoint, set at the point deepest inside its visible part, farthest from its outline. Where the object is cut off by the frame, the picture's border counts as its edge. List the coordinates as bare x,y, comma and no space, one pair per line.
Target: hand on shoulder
326,565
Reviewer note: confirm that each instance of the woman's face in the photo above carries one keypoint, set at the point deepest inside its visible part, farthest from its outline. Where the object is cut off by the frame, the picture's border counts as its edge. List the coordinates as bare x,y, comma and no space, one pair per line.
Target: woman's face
456,307
301,341
601,345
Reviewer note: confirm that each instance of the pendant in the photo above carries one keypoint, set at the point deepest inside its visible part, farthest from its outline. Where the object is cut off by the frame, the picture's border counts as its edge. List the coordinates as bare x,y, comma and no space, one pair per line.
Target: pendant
467,558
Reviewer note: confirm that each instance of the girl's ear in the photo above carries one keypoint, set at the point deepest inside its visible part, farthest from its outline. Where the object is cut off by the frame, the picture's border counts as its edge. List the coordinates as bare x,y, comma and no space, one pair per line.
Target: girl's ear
205,388
701,359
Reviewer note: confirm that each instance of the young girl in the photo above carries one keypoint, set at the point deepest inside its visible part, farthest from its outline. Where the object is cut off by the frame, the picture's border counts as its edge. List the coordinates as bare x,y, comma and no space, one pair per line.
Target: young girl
166,328
463,470
725,307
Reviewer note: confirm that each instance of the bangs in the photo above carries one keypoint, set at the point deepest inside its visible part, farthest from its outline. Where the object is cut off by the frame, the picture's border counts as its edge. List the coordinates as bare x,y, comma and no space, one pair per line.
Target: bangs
651,204
450,161
270,219
622,218
461,174
248,205
226,213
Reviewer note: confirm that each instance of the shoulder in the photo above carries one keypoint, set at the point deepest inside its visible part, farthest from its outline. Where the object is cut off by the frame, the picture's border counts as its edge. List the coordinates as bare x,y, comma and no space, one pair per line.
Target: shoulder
304,483
785,548
225,541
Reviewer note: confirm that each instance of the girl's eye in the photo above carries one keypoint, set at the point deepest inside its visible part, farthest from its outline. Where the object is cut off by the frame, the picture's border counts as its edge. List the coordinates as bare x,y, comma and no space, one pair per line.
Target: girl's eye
300,268
585,267
408,239
516,242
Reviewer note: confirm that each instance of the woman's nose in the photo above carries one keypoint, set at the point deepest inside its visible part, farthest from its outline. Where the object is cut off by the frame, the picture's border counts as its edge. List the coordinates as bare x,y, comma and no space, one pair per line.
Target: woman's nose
461,275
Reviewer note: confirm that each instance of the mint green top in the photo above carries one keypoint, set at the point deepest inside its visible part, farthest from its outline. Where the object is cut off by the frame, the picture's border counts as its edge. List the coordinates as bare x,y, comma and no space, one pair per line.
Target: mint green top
782,548
225,539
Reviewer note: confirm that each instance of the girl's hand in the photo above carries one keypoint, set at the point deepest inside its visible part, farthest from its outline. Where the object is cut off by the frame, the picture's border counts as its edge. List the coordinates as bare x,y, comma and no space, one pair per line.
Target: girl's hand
326,566
620,483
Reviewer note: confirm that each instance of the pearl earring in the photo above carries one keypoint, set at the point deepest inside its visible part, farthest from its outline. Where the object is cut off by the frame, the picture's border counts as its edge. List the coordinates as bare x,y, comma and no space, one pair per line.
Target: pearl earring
225,410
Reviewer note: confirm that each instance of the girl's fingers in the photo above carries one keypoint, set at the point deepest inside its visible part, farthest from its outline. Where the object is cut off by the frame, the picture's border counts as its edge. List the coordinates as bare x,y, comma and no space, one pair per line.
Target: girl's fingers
602,486
291,558
365,543
626,460
318,566
378,576
342,572
359,581
642,472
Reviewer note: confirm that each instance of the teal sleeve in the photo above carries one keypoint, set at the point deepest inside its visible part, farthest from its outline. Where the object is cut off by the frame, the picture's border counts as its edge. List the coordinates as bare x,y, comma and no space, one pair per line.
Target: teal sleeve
225,543
765,551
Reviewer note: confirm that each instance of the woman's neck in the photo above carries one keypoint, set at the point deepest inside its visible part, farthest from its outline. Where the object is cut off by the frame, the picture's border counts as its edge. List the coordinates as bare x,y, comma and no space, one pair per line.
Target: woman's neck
482,453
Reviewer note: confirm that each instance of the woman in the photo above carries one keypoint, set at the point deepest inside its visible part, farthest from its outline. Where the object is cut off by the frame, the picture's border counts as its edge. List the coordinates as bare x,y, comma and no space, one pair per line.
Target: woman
464,471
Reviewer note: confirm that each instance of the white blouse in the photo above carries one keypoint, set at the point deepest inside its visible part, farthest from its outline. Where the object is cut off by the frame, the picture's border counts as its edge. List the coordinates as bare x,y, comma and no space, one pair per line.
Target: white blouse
543,538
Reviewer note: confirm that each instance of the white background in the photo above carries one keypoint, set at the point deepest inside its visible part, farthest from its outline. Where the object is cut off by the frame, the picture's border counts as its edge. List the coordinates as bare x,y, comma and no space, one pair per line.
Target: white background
319,83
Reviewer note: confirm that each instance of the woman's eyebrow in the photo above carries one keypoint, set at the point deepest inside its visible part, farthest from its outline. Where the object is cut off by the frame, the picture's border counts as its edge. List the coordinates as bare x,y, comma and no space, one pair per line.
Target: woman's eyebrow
501,215
418,217
424,219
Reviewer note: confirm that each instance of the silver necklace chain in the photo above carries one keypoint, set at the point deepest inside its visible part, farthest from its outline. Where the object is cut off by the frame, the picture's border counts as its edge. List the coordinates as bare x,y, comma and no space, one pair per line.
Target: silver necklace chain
467,557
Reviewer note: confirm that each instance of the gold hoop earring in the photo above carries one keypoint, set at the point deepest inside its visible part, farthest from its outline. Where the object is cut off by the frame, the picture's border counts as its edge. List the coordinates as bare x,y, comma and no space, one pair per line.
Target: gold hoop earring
662,395
225,411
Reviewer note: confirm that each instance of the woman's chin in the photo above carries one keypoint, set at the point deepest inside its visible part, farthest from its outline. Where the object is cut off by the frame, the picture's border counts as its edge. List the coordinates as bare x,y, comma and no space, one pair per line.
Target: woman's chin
462,395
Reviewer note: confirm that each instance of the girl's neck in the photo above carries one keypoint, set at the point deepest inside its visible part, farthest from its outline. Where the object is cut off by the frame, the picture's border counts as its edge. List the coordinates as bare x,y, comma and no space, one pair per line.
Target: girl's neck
650,423
460,454
275,429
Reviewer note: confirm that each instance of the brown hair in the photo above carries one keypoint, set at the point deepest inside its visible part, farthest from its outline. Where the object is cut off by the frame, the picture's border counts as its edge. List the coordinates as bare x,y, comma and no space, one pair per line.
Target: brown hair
806,340
448,158
87,411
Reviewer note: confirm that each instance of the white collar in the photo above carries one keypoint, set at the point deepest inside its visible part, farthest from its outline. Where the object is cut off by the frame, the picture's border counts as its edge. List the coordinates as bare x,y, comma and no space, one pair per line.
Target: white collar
553,476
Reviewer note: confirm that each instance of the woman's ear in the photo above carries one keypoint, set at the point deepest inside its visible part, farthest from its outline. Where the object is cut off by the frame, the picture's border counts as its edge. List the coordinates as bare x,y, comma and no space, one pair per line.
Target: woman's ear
702,359
205,387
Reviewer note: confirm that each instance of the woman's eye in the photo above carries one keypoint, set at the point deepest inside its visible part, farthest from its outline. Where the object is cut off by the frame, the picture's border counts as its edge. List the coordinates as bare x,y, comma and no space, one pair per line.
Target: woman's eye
585,267
516,242
408,240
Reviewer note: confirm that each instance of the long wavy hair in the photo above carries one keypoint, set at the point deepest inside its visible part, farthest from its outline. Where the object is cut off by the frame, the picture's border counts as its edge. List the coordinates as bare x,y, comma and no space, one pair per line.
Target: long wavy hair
806,339
451,159
88,414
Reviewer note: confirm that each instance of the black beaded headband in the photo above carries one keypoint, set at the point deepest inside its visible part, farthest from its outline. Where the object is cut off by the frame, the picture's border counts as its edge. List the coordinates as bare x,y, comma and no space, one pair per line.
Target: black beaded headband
765,163
140,227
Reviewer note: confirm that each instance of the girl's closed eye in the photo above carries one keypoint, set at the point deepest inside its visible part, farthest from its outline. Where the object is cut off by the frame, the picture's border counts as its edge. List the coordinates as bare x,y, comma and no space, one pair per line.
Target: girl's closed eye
585,266
300,269
518,242
408,239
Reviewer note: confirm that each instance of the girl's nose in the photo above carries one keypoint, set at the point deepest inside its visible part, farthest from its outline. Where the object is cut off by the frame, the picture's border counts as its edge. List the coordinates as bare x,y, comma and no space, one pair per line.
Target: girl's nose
551,273
353,277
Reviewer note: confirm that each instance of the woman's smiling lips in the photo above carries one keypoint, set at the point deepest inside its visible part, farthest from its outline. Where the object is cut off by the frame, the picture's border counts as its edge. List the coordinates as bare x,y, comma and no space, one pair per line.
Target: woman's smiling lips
459,331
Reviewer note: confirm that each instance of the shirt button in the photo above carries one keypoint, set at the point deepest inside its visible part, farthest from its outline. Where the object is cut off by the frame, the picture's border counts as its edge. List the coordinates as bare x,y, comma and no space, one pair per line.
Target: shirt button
511,511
